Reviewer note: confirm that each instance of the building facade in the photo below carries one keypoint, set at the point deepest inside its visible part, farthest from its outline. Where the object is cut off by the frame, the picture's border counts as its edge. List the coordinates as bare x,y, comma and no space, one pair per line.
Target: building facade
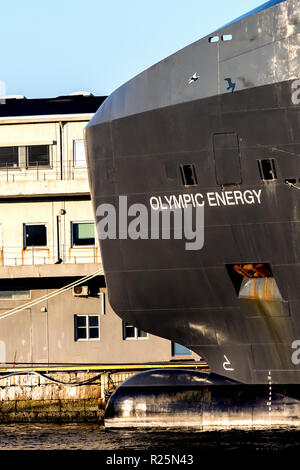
47,241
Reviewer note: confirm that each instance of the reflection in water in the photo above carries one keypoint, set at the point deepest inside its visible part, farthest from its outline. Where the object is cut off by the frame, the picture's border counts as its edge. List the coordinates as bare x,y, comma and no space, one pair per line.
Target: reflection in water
94,437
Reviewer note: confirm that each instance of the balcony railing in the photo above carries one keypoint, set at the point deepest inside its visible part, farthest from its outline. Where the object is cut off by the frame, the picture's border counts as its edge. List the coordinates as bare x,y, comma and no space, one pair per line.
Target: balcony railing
67,171
18,256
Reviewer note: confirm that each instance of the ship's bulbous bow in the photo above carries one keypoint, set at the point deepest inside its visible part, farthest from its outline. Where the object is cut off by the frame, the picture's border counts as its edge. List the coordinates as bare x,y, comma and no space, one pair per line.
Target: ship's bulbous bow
184,398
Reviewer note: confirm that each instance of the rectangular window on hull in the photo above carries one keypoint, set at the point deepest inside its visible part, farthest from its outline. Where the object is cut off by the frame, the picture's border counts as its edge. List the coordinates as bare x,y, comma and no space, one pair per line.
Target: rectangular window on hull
83,234
86,327
188,175
267,169
131,332
35,235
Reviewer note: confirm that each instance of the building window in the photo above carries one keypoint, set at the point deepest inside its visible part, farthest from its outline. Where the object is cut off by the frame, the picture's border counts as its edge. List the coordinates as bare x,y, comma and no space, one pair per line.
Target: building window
30,156
131,332
35,235
79,154
14,294
38,155
179,350
83,234
9,157
102,303
86,327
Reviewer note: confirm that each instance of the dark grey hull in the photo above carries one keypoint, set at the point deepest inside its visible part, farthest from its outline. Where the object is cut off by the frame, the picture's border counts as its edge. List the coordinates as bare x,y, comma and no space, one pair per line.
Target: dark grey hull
192,297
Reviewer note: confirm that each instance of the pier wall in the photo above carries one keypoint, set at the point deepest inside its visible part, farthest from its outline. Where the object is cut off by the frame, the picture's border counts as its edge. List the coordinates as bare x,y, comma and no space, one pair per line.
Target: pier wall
38,398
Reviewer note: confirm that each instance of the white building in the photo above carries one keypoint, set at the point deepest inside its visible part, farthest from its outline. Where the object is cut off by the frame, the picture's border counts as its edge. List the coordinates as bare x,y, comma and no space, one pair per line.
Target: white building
47,240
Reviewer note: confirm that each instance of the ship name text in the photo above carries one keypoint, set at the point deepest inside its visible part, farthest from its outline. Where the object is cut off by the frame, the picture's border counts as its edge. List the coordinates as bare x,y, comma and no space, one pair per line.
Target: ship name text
212,199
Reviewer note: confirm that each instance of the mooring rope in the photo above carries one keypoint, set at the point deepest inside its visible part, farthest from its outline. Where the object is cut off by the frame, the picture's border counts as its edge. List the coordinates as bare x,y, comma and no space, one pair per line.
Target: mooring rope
292,185
51,379
15,310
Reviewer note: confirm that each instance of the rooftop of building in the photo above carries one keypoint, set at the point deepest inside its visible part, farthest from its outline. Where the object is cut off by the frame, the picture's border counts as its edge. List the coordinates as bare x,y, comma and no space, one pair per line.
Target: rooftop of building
81,103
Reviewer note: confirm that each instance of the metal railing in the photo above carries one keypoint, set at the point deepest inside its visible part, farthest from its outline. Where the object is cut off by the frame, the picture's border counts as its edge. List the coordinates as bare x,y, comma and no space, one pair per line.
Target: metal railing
53,172
20,256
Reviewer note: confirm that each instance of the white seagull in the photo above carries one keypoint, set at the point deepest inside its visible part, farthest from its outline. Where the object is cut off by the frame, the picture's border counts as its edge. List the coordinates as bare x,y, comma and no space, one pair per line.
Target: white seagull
194,78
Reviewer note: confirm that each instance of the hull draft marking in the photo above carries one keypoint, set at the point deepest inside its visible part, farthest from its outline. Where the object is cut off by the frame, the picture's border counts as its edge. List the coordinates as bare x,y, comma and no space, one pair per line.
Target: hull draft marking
226,364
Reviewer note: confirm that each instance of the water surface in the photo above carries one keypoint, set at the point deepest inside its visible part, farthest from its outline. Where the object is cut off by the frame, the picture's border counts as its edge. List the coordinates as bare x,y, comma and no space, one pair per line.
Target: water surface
95,437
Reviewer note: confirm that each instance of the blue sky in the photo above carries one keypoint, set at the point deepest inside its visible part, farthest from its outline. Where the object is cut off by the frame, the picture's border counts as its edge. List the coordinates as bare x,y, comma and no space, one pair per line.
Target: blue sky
58,47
